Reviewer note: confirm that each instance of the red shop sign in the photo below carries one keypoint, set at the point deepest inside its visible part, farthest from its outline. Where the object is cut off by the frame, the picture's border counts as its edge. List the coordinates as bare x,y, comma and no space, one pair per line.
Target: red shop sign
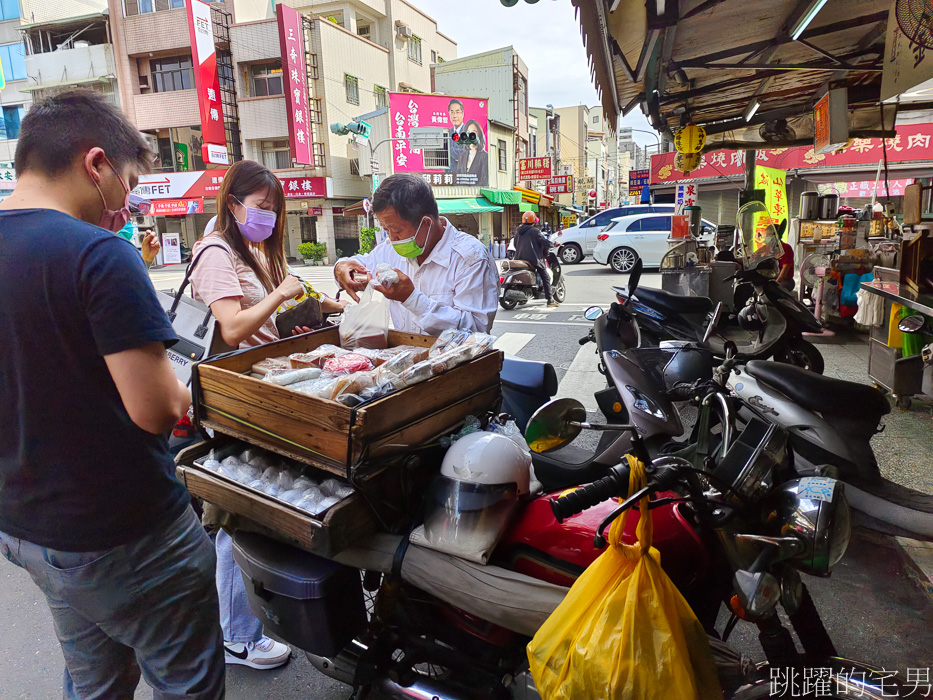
304,187
177,207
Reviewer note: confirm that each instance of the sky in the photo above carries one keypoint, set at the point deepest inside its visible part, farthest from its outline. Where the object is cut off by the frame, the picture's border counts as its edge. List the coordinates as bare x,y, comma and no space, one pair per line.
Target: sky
546,36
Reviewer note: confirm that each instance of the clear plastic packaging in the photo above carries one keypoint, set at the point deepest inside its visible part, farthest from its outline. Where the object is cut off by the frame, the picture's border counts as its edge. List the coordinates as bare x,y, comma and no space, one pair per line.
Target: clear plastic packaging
386,275
366,325
347,364
353,384
418,373
315,358
284,377
269,364
332,487
449,338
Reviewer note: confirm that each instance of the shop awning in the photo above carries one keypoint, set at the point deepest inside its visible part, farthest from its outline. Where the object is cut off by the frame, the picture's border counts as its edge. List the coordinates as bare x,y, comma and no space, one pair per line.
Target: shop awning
502,196
65,83
527,206
356,208
469,205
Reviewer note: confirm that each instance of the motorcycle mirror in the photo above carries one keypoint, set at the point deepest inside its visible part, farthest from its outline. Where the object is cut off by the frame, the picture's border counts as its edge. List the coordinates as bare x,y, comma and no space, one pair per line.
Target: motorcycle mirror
592,313
713,322
555,424
912,324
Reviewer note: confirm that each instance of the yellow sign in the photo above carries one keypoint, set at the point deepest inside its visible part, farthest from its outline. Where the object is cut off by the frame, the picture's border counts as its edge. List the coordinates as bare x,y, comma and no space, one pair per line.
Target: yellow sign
774,183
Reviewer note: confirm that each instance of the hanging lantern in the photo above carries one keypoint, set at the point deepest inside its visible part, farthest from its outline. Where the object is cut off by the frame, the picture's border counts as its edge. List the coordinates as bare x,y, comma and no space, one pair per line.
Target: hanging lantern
687,162
690,139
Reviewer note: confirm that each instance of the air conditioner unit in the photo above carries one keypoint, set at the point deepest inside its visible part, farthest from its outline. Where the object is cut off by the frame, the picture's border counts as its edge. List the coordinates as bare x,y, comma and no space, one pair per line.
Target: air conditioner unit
363,30
403,32
152,141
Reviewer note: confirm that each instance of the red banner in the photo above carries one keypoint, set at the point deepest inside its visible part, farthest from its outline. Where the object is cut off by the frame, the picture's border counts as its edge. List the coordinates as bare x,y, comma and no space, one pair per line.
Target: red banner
177,207
200,183
562,184
292,46
912,143
534,168
204,56
304,187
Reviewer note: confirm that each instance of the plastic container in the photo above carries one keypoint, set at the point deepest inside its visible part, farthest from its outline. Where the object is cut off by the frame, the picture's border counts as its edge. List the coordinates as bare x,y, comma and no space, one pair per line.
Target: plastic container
312,603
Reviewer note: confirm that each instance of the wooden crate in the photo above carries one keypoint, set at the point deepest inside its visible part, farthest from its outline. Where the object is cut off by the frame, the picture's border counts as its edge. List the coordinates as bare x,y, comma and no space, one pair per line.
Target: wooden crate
336,529
328,434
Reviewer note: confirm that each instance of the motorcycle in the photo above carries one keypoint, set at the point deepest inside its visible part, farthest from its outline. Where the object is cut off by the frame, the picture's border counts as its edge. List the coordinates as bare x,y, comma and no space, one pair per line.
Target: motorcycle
769,322
734,530
519,282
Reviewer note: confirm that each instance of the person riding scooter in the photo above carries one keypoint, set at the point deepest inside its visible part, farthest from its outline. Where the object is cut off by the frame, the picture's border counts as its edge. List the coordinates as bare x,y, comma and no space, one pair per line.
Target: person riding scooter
532,246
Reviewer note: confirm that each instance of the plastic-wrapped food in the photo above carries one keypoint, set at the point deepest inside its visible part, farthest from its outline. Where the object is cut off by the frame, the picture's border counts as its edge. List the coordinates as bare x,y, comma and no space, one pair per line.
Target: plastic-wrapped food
386,275
303,482
322,388
211,464
270,363
333,487
449,338
377,357
418,373
284,377
406,359
385,383
347,364
483,341
291,496
257,458
353,384
285,481
453,358
315,358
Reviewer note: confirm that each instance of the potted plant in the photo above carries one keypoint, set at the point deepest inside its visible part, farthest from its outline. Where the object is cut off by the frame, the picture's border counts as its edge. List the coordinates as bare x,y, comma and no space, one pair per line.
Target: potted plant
306,251
319,253
367,239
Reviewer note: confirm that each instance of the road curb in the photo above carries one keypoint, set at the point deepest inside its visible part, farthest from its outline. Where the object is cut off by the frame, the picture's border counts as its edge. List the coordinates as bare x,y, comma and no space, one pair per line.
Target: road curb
919,558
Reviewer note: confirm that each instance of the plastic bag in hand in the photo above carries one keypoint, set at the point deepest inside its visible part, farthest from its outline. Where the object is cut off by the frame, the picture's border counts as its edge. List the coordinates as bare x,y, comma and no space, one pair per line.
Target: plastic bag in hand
386,275
624,630
366,325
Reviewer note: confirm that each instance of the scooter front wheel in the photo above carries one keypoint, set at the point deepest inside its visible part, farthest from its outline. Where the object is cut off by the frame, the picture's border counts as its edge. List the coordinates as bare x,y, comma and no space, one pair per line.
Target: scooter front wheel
508,304
801,353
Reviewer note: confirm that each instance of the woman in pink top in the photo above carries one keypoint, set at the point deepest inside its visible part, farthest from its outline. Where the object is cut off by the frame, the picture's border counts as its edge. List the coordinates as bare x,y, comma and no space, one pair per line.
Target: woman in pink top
241,271
242,275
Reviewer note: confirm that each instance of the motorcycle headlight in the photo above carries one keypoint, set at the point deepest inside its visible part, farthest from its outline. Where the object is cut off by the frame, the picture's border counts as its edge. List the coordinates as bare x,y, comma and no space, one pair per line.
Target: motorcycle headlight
815,509
749,464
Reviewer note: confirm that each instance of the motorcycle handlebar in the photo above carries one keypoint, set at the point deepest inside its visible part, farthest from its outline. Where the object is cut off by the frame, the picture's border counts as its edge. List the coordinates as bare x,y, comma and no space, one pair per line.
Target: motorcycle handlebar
615,484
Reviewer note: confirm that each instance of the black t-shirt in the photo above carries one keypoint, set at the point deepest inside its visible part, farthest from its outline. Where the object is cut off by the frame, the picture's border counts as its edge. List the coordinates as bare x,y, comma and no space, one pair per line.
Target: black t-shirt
76,473
530,245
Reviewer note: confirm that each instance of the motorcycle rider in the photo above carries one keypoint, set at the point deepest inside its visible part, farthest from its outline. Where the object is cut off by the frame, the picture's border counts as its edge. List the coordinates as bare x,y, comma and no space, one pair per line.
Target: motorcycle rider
532,246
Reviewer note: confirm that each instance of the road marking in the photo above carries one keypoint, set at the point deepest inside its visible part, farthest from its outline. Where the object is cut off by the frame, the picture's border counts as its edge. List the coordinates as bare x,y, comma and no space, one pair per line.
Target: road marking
544,323
583,379
512,343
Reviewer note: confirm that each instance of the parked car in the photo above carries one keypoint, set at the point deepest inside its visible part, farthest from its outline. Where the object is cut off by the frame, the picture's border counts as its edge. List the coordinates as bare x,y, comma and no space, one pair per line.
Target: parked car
579,241
644,236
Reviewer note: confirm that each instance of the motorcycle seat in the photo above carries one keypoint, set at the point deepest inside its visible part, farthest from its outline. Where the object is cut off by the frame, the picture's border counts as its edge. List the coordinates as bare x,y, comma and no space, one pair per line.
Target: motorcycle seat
516,265
818,393
567,467
673,303
529,375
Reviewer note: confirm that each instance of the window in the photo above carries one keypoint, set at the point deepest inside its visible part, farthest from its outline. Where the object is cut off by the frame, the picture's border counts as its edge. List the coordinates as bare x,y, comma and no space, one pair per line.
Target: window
596,119
354,166
9,9
634,226
414,49
143,6
363,30
433,56
170,74
9,125
174,4
266,79
13,57
522,90
503,153
382,98
352,85
656,223
275,155
437,159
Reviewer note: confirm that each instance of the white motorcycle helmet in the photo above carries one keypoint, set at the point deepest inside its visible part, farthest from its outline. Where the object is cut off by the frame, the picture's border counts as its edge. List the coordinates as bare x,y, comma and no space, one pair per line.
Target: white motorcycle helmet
482,477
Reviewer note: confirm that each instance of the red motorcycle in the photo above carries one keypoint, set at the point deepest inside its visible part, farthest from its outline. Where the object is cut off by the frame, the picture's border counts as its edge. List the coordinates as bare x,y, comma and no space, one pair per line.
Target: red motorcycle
732,523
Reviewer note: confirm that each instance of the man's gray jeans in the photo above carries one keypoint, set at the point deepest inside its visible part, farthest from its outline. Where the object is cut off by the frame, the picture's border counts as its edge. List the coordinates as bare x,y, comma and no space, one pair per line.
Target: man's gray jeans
150,605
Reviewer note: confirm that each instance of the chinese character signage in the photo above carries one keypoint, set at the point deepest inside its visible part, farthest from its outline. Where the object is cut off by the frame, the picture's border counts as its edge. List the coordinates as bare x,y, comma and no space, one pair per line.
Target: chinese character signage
687,195
291,43
200,183
454,164
207,82
774,183
177,207
637,179
912,143
534,168
304,187
560,184
7,178
864,188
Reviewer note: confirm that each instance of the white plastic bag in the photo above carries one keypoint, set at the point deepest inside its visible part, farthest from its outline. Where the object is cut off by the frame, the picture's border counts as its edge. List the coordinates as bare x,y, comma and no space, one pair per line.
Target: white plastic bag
366,325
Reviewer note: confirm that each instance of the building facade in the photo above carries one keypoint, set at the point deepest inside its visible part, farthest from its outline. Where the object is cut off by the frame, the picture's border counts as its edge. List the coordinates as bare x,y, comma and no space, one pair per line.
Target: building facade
14,99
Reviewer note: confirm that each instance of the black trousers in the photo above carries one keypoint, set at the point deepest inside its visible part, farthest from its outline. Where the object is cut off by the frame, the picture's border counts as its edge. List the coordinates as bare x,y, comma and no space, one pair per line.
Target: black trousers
545,281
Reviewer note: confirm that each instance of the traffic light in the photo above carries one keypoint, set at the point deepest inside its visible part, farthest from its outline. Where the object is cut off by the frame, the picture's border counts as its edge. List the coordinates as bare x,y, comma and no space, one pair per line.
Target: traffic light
359,128
513,3
465,139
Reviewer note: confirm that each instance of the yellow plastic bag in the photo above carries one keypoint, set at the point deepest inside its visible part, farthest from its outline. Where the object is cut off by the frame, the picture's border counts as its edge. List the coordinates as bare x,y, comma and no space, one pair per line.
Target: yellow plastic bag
624,630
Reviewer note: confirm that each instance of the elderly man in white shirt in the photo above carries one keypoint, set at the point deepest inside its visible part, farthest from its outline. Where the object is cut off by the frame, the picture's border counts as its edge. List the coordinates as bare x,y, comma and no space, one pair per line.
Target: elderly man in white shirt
447,278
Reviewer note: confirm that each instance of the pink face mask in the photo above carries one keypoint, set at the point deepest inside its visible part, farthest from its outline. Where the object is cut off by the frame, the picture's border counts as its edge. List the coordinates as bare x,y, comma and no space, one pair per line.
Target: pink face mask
114,220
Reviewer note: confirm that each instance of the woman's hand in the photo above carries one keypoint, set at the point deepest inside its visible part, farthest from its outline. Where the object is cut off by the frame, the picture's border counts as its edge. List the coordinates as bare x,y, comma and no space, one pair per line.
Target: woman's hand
290,288
333,306
151,247
298,330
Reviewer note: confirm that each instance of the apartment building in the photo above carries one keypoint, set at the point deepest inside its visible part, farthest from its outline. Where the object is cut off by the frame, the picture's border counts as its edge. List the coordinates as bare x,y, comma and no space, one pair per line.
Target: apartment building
14,100
546,139
574,127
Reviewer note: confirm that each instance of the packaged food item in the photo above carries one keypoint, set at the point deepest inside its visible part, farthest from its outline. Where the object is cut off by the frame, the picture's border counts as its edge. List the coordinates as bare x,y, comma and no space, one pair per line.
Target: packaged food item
385,384
386,275
284,377
418,373
377,357
448,339
353,384
347,364
483,341
315,358
333,487
322,388
270,363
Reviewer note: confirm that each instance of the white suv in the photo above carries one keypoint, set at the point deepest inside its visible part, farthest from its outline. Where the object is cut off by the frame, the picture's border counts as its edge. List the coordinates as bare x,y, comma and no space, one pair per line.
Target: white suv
579,241
644,236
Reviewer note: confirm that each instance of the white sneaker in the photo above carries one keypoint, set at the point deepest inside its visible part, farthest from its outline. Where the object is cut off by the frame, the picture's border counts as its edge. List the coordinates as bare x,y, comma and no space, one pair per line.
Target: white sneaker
264,654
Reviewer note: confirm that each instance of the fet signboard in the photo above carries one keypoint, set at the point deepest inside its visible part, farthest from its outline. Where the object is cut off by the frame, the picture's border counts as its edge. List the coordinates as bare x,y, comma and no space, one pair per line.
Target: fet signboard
562,184
214,147
201,183
304,187
534,168
292,46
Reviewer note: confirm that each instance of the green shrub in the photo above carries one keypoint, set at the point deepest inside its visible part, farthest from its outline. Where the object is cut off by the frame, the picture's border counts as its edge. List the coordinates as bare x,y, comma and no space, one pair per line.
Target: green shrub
312,251
367,239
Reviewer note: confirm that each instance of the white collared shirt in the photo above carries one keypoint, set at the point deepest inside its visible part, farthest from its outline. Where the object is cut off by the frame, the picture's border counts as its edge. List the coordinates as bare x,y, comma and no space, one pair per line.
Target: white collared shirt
456,286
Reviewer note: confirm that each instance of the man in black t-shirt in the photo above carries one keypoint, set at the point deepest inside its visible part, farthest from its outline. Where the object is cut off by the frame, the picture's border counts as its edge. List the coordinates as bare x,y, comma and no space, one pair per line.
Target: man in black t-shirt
89,504
532,246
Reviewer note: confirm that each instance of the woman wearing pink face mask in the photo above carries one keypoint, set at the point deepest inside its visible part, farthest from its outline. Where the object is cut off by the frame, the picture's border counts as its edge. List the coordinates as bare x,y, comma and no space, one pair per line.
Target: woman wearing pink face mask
241,272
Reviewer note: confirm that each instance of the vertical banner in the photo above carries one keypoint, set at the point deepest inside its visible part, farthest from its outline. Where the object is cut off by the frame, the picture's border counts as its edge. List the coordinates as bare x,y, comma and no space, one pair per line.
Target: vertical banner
207,81
687,195
292,46
774,183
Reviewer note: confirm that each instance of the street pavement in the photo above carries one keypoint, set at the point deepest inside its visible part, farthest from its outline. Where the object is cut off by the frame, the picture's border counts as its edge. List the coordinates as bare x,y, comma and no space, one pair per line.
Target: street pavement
874,605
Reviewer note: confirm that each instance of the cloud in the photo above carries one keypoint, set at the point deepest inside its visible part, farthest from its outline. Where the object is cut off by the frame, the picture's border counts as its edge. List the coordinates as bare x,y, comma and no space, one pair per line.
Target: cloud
547,37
